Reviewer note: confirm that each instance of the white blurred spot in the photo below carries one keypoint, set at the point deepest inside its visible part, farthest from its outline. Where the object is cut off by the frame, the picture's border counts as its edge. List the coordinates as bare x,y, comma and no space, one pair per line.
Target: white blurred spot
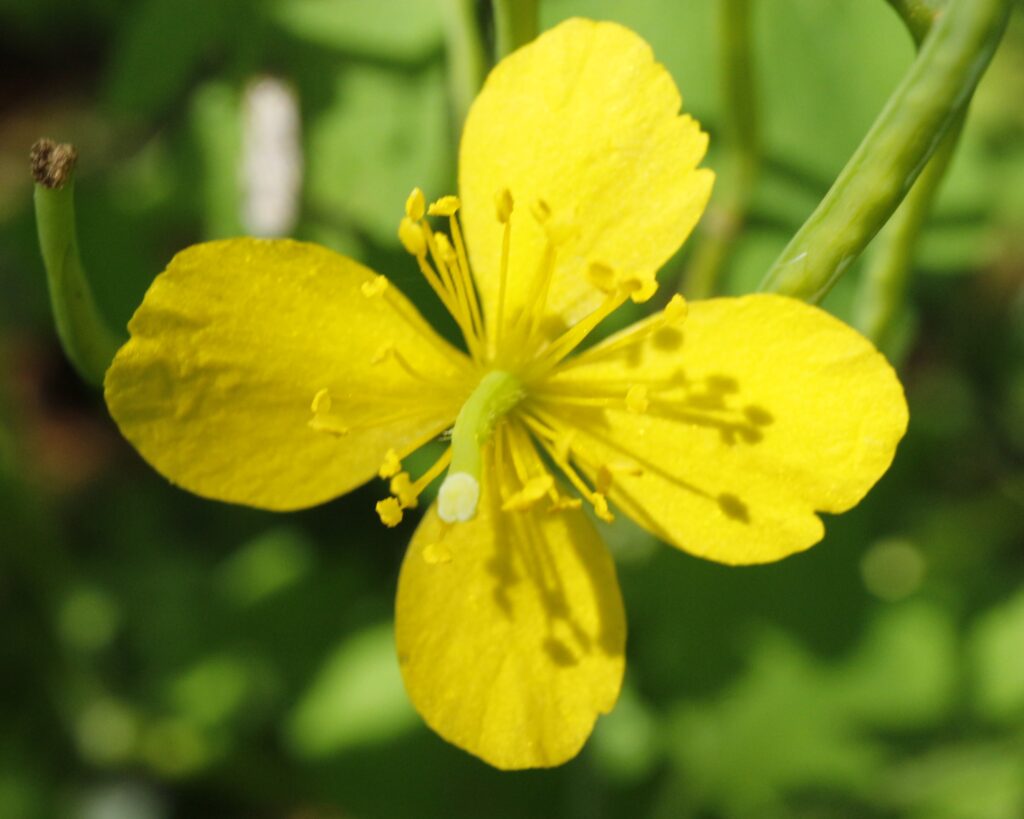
271,158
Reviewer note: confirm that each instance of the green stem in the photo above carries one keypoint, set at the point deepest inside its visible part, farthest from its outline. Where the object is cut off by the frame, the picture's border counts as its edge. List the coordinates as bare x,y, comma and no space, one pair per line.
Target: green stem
85,336
516,23
935,91
467,60
727,214
884,283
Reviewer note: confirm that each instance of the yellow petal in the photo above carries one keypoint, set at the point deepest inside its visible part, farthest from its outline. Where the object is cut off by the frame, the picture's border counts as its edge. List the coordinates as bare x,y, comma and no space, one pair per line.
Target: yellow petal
235,340
584,121
762,410
511,645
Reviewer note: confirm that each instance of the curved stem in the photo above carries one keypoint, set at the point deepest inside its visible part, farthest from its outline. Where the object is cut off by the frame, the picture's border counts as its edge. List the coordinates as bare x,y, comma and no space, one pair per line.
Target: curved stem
467,61
85,336
725,216
917,15
935,91
516,23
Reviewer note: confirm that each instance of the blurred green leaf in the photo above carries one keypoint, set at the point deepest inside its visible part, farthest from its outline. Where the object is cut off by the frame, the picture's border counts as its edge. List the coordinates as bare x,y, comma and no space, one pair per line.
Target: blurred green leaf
384,132
968,781
159,49
272,562
216,116
793,723
997,651
356,698
627,742
394,29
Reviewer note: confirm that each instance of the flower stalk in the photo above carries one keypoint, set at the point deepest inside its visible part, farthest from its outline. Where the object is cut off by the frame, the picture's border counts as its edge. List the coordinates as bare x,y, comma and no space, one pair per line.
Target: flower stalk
516,23
725,217
931,97
87,339
466,56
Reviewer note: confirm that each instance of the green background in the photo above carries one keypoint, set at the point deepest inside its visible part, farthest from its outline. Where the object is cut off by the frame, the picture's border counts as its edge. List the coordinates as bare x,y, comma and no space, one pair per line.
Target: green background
163,656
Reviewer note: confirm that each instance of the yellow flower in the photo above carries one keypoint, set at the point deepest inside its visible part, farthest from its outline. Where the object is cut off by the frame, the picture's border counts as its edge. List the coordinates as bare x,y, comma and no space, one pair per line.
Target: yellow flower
280,375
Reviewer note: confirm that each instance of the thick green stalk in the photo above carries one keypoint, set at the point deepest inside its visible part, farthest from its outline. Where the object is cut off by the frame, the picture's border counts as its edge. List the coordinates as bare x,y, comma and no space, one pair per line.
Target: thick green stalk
935,91
516,23
741,161
85,336
467,60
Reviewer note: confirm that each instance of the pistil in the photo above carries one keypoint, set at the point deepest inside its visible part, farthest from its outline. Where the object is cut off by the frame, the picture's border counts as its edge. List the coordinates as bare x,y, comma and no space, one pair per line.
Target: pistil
496,394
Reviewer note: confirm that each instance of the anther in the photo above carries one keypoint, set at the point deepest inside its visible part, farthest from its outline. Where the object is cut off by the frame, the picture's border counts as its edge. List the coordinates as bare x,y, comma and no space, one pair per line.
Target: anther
374,287
676,310
321,402
445,206
600,503
533,490
503,205
437,553
322,420
541,211
602,277
415,205
411,237
389,511
404,490
636,399
643,292
391,465
560,503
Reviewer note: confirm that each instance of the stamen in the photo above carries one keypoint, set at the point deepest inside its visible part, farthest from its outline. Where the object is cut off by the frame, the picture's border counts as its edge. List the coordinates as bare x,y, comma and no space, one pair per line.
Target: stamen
637,400
401,487
445,206
405,492
374,287
415,205
411,237
408,491
676,310
455,284
389,511
437,553
391,465
532,491
673,315
465,278
323,420
572,337
503,207
388,352
596,499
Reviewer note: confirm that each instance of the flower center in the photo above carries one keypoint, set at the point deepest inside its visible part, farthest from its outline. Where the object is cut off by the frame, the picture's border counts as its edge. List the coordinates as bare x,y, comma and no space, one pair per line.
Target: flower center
515,359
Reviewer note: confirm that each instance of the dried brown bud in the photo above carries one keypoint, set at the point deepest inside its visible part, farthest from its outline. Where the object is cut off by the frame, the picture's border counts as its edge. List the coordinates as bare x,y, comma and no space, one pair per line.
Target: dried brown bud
52,162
